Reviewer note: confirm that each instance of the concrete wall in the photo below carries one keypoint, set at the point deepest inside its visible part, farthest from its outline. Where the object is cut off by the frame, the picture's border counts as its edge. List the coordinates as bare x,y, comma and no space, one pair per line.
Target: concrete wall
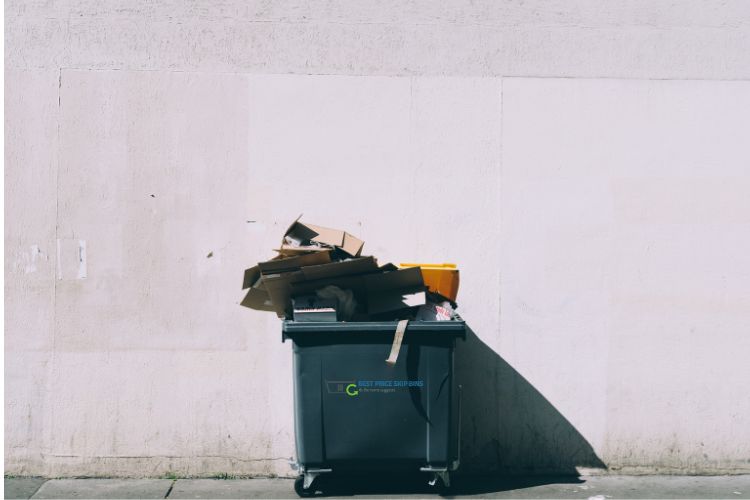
601,220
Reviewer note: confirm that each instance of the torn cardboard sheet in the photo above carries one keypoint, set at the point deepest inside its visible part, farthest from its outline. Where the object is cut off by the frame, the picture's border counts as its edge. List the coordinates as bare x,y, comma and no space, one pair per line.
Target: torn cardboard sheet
257,296
279,291
397,339
359,265
395,290
287,264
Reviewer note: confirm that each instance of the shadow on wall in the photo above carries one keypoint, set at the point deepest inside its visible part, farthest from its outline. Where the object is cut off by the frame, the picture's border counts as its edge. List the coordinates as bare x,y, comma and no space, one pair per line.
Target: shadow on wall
511,438
508,427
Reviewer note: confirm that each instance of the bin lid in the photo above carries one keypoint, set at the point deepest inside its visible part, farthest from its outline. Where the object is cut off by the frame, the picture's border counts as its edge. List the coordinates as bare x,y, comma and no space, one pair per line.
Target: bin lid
290,327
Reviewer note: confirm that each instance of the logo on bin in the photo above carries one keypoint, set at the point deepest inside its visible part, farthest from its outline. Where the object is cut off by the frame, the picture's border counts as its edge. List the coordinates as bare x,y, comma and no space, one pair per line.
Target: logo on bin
351,390
355,387
348,387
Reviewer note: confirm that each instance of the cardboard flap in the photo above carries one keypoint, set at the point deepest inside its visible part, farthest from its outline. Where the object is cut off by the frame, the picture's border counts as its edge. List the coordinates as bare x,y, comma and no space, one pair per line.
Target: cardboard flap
403,278
354,266
290,251
293,263
300,232
258,299
352,246
278,286
395,290
396,299
325,235
250,277
290,229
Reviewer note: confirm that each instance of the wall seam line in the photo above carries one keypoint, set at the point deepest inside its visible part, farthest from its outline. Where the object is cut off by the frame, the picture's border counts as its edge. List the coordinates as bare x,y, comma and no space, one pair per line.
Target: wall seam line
501,76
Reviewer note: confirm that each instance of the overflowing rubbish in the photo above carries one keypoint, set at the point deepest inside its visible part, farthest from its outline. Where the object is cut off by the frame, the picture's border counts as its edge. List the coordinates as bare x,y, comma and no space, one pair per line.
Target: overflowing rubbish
320,274
373,344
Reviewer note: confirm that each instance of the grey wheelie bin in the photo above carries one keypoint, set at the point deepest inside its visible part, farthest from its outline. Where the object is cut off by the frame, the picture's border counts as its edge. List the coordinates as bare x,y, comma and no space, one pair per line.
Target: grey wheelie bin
356,413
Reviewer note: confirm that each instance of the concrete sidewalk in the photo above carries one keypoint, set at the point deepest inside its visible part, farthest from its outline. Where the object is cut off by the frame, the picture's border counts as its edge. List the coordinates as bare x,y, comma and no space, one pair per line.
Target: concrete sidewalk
602,487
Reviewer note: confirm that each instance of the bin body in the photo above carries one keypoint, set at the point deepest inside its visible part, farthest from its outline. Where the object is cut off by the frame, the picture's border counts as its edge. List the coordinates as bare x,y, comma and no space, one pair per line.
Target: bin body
355,411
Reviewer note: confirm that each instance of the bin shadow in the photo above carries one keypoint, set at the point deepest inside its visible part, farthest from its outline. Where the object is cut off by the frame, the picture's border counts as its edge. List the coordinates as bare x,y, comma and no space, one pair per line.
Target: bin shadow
397,485
511,435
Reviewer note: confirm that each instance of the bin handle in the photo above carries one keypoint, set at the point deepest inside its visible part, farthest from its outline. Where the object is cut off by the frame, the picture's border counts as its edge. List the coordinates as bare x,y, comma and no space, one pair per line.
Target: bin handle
397,339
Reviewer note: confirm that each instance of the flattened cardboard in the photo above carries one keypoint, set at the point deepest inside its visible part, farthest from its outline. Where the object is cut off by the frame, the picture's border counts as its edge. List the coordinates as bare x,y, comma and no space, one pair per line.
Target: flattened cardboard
395,290
287,264
299,231
352,246
258,299
278,286
290,251
395,300
403,278
342,268
250,277
257,296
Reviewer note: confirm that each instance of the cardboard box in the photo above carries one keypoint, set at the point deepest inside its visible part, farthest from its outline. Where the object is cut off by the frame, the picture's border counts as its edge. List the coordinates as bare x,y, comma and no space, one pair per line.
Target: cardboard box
395,290
322,238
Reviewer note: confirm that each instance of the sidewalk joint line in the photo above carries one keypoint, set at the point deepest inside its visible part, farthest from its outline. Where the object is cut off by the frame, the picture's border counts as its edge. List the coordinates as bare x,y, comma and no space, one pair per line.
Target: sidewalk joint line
170,488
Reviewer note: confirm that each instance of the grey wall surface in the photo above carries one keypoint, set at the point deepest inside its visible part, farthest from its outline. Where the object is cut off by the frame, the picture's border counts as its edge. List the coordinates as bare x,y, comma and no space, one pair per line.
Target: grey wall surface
587,164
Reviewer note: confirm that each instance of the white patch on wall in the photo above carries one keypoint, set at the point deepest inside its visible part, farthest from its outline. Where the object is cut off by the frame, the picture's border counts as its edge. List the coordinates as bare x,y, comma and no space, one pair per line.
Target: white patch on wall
30,260
71,259
81,259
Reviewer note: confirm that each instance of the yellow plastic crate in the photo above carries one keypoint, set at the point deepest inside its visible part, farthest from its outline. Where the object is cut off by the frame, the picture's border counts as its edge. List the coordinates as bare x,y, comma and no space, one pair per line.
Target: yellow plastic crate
439,278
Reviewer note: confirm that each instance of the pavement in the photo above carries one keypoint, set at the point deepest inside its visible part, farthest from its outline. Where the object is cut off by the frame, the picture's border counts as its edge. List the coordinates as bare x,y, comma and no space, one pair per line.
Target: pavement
586,487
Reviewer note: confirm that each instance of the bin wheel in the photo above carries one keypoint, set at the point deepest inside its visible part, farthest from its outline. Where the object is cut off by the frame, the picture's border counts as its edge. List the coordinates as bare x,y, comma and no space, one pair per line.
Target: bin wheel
443,490
439,485
299,487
